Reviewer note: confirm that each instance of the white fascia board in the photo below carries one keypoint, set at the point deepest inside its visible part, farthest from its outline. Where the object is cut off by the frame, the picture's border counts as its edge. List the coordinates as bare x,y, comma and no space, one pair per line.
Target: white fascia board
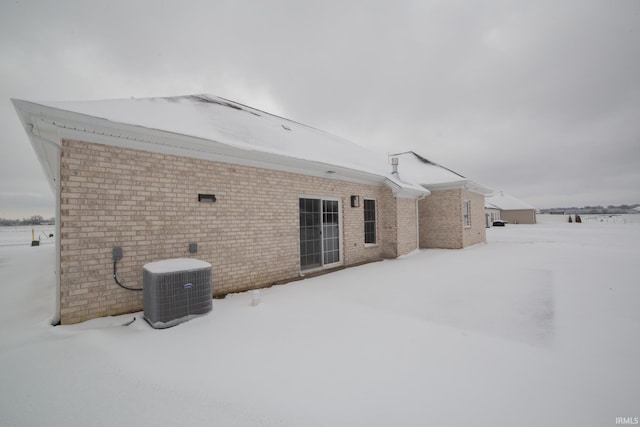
406,191
213,151
457,185
478,188
460,185
48,155
54,125
45,143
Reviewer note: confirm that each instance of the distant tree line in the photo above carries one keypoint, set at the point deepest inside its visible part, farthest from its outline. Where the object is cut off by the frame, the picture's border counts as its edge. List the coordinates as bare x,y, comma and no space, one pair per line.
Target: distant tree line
34,220
611,209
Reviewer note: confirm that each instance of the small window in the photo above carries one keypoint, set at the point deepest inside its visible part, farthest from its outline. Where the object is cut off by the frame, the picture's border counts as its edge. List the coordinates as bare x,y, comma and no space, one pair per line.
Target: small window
466,212
370,221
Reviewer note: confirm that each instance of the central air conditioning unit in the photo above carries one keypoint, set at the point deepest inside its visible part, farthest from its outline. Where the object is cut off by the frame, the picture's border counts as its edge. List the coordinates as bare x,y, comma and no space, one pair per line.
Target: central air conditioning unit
176,290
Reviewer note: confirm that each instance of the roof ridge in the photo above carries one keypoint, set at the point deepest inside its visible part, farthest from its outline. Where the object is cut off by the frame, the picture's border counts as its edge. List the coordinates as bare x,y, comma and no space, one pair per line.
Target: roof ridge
429,162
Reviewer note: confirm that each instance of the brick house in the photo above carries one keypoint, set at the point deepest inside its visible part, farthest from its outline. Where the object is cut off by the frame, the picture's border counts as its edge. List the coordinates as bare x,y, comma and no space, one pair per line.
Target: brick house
264,199
453,215
492,213
512,210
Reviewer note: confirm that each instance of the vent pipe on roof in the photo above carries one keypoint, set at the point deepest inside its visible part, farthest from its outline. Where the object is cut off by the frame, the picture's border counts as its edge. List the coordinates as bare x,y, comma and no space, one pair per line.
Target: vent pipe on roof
394,165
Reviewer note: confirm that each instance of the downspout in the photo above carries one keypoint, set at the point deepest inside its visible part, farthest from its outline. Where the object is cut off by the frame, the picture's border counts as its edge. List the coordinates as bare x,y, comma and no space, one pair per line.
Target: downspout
418,220
417,224
396,174
55,320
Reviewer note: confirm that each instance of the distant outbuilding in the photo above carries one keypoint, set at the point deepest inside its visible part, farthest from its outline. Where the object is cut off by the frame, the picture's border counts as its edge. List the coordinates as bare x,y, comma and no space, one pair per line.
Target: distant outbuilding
512,210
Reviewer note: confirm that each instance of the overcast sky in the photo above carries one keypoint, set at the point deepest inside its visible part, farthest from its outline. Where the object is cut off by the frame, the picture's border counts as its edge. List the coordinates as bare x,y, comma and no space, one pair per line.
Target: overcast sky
540,99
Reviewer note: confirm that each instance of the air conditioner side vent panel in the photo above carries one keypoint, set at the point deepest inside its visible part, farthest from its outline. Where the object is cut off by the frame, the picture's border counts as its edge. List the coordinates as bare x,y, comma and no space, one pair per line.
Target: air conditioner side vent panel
175,291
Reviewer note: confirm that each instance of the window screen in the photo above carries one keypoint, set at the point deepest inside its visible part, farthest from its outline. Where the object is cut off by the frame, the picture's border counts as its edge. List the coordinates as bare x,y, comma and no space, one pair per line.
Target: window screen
369,221
466,211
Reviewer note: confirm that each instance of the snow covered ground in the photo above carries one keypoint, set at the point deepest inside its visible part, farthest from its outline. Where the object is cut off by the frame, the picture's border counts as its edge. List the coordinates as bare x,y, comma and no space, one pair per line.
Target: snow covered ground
539,327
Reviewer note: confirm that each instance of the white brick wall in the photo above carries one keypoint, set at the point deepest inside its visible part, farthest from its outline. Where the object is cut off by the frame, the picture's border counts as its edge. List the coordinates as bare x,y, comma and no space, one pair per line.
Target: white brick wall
441,220
147,204
477,233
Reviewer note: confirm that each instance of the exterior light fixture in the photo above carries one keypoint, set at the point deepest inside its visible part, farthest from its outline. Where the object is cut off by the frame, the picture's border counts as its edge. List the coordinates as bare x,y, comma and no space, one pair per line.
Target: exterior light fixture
355,201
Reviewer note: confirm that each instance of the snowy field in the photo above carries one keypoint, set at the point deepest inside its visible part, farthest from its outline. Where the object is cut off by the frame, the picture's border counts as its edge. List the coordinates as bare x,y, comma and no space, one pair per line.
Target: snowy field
22,235
539,327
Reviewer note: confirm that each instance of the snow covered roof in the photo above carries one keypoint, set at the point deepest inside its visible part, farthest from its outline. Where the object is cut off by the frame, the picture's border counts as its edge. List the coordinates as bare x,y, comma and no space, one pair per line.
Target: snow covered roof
415,168
505,202
204,126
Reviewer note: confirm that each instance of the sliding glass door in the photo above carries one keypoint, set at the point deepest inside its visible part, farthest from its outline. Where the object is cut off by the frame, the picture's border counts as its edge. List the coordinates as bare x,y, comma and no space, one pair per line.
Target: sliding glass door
319,233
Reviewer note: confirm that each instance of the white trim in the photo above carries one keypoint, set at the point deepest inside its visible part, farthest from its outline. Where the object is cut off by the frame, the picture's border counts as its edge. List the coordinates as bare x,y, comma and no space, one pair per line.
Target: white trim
406,191
340,236
55,320
56,124
45,151
459,185
466,213
377,240
217,152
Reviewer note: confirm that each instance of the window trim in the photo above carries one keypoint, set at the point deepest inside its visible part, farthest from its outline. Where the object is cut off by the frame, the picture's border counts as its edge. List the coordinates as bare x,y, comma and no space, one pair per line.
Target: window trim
340,236
466,213
375,222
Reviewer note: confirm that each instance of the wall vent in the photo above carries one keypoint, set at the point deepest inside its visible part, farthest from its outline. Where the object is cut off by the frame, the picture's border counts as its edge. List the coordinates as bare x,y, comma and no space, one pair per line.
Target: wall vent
176,290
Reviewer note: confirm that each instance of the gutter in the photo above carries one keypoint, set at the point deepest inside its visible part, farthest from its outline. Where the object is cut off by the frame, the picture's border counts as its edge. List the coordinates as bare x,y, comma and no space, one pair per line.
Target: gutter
404,190
460,185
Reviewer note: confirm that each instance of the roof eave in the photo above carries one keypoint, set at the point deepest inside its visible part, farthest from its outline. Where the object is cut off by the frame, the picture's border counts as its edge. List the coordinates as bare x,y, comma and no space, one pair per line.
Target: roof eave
404,190
465,184
48,125
45,144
